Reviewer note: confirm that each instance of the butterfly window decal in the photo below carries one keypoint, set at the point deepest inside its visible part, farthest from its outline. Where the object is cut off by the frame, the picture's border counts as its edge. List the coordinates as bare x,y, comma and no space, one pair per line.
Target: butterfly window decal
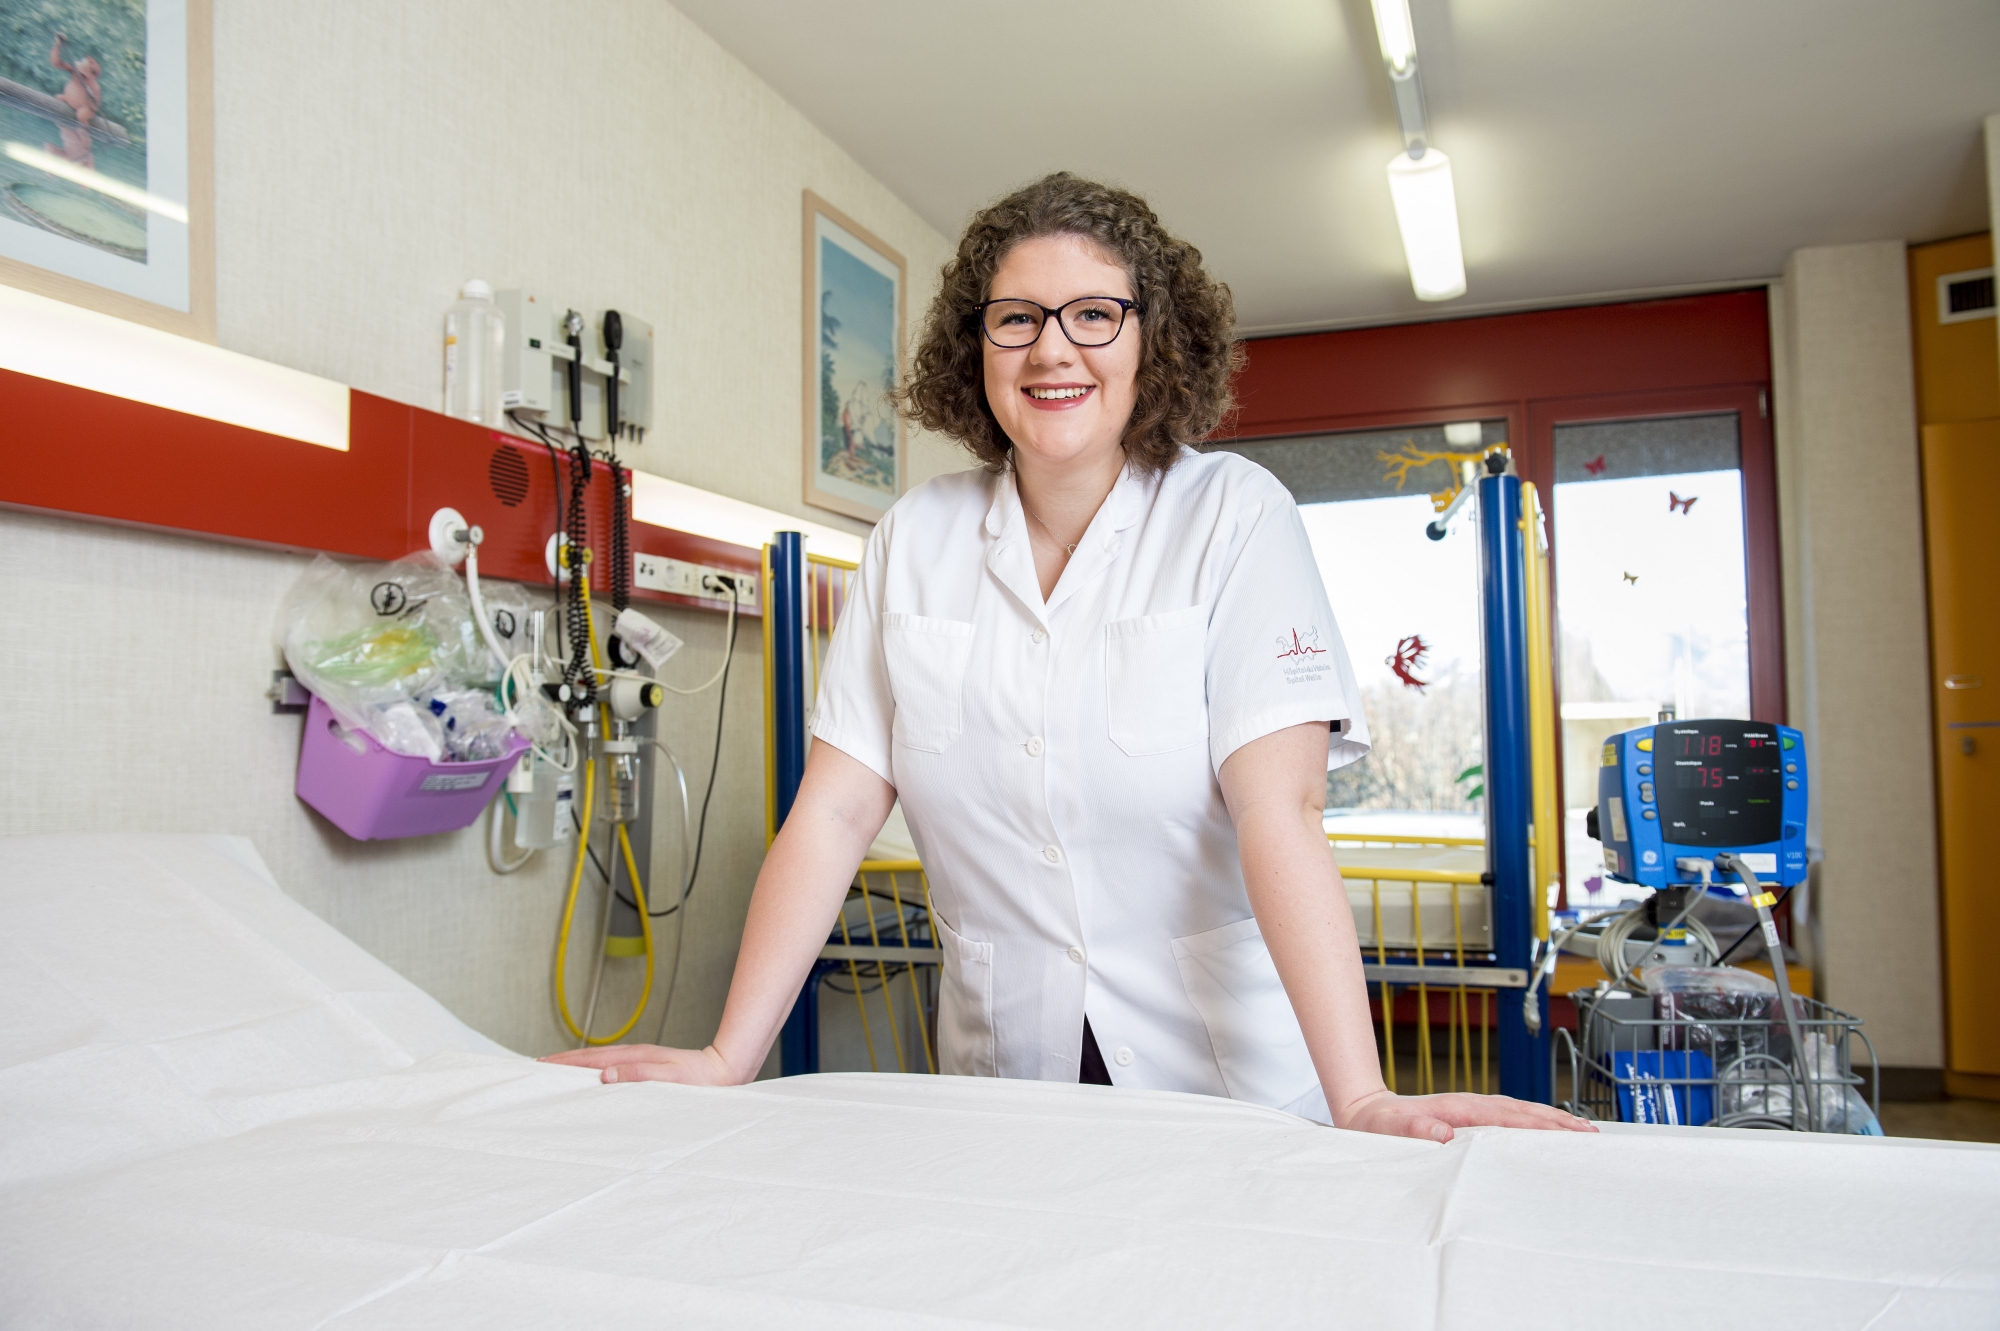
1685,506
1408,659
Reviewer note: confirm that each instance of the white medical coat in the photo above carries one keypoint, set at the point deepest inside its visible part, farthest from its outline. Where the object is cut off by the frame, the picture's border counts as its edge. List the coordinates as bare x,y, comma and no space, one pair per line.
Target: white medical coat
1057,764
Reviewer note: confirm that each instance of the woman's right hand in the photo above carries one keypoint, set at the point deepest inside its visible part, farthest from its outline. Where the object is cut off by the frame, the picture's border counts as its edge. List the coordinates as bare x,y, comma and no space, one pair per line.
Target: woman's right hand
652,1062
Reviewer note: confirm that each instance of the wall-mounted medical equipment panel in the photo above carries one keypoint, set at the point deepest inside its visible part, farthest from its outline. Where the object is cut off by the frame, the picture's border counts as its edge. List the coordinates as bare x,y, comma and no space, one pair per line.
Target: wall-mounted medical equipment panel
613,348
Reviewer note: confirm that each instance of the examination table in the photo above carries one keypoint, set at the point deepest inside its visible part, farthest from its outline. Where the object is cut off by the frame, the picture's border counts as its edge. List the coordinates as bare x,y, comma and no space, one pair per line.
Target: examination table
215,1111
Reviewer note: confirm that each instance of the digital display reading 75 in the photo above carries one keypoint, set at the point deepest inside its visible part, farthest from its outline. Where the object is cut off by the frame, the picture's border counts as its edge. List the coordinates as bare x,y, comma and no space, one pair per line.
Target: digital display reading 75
1727,782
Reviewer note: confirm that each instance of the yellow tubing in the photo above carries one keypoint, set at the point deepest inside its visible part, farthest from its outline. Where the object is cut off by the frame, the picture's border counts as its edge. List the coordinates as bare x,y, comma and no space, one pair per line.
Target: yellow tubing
576,881
569,905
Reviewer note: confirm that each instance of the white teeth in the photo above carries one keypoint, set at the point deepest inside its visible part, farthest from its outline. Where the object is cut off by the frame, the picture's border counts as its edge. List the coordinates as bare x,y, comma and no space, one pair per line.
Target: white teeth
1050,394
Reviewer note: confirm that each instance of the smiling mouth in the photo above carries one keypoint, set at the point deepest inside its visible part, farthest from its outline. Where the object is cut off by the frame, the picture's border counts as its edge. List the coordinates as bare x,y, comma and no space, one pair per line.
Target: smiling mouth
1057,394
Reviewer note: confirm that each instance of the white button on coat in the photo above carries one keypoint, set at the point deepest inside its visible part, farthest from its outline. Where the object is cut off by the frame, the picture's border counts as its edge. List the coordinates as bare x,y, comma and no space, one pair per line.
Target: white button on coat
1034,746
1076,955
1190,621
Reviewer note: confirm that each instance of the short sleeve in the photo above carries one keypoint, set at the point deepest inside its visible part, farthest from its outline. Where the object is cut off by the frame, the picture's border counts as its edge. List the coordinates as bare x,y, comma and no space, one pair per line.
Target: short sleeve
855,710
1275,656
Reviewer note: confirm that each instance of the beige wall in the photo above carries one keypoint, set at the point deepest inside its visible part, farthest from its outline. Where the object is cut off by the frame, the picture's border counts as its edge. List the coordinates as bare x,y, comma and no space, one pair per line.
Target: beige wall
370,157
1856,638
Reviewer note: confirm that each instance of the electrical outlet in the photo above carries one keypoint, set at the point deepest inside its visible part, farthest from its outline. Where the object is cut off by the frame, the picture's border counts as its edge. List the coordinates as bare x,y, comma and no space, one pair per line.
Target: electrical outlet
679,578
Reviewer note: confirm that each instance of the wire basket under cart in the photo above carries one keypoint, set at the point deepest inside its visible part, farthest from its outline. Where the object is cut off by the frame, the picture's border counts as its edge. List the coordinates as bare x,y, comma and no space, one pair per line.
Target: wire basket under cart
1735,1065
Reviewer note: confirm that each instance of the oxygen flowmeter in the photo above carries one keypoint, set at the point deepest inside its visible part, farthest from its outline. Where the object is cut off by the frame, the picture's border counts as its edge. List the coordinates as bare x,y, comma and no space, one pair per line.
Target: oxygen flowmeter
1693,790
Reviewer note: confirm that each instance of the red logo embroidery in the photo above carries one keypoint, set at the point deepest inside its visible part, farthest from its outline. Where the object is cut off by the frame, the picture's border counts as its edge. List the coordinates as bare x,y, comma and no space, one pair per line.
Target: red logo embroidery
1301,645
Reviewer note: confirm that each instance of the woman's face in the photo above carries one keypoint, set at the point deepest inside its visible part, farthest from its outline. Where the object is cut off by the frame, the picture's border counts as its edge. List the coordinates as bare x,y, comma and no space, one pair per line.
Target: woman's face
1058,402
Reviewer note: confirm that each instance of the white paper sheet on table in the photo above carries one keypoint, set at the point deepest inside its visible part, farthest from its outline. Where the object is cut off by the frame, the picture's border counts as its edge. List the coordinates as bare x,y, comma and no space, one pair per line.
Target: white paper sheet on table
215,1111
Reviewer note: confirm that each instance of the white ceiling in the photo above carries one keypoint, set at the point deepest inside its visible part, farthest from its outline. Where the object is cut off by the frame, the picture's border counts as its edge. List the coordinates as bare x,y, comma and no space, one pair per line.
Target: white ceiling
1599,146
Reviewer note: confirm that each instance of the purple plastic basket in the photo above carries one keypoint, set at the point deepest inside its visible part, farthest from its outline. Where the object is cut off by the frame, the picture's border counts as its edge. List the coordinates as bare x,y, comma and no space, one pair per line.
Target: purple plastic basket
375,795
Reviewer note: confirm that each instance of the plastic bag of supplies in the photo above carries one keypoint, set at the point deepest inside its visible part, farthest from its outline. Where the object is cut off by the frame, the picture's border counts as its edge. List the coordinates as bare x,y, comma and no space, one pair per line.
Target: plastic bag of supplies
394,651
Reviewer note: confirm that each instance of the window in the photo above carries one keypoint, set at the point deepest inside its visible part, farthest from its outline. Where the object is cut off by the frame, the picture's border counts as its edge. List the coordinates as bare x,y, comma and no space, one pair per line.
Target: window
1408,609
1651,596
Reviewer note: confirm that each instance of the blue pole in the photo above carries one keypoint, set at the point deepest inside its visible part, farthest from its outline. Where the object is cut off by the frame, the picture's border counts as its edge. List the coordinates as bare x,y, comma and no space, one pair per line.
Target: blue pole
798,1043
1524,1062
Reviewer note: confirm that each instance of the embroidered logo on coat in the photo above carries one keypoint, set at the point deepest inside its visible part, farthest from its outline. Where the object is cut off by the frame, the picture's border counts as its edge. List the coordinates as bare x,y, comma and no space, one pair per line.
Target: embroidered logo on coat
1299,649
1301,644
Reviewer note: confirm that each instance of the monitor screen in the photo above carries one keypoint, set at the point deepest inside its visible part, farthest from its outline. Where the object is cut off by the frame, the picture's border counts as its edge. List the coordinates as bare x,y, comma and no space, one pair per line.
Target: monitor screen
1721,783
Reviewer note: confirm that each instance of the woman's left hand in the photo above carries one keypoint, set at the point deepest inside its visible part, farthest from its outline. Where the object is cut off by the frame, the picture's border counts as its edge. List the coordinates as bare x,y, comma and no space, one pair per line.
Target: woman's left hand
1432,1117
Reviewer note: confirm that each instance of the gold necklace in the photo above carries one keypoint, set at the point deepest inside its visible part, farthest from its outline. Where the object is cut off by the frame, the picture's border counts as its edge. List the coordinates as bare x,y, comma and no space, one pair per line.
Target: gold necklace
1068,549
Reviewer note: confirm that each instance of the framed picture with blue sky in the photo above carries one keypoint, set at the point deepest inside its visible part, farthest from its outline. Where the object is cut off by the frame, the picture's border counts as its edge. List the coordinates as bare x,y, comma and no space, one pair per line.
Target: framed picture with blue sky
854,320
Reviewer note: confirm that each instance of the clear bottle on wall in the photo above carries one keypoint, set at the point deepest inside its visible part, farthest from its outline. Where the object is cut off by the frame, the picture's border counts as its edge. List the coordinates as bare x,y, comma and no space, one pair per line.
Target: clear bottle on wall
474,338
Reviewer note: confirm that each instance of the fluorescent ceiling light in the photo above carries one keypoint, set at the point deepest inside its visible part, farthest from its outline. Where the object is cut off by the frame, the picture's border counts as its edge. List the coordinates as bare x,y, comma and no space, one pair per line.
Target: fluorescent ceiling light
1427,214
1398,37
71,345
664,503
96,180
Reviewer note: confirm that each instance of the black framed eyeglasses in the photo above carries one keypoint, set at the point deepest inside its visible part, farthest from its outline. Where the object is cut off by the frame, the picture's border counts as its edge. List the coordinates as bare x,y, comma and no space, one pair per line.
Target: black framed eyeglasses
1088,321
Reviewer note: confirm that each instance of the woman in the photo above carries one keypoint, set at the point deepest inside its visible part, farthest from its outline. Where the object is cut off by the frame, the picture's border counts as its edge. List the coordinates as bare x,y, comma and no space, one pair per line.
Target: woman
1102,675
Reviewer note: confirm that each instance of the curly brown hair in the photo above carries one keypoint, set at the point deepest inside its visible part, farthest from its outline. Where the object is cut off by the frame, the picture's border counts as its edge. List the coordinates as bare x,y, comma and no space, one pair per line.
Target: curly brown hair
1187,355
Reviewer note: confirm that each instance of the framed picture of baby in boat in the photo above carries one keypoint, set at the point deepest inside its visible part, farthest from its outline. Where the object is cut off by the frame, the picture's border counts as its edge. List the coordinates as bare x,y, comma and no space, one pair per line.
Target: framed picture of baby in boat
106,172
854,438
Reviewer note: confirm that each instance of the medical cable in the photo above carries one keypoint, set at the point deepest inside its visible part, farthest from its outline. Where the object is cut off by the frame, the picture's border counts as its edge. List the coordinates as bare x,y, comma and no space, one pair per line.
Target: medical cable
576,883
1611,951
1744,937
597,953
570,553
687,885
621,561
579,670
496,858
714,764
534,428
603,874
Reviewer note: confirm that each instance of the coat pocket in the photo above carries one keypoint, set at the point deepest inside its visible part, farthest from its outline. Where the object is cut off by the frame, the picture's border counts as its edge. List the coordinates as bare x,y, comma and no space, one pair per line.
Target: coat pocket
1156,681
927,659
965,1005
1234,987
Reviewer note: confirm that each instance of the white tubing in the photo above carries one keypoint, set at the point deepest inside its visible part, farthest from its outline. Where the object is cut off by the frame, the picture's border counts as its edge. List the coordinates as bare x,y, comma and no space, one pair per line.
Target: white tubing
496,853
478,605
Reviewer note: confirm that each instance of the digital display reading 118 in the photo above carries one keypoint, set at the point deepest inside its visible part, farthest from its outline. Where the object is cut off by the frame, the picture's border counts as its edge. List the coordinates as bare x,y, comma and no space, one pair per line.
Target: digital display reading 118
1727,787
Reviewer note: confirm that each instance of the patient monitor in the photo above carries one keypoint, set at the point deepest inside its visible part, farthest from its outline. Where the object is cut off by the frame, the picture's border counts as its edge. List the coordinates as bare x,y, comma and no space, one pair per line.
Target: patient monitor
1688,791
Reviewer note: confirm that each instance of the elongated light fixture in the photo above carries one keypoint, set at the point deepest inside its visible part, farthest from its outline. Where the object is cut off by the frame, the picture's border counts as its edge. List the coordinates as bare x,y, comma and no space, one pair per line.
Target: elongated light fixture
1427,215
1398,36
1420,175
71,345
664,503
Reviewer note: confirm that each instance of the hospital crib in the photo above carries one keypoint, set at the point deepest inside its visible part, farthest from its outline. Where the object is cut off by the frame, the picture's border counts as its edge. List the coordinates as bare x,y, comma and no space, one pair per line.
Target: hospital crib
1423,915
882,943
1628,1065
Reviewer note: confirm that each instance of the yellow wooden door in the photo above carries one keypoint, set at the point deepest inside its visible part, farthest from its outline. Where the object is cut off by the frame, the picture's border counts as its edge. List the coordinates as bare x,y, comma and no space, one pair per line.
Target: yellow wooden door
1962,534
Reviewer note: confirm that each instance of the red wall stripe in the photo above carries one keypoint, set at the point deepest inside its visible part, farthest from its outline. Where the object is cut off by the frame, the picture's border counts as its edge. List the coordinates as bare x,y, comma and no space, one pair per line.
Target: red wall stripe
91,455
